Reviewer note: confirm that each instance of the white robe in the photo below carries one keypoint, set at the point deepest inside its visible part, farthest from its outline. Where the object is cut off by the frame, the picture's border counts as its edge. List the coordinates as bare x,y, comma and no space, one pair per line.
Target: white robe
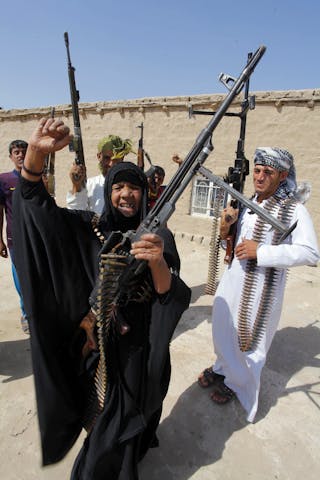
242,370
89,198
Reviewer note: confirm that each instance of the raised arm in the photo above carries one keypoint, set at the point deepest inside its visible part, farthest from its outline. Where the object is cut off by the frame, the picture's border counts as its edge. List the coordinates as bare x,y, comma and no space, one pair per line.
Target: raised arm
50,135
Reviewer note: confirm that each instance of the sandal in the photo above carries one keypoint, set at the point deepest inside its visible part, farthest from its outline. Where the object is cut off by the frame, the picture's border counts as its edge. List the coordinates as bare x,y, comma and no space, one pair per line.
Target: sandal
222,395
208,377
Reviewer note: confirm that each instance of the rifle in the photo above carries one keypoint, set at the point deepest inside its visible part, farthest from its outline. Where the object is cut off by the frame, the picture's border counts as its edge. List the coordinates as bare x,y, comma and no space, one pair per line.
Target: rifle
237,174
140,162
76,144
165,206
142,153
49,167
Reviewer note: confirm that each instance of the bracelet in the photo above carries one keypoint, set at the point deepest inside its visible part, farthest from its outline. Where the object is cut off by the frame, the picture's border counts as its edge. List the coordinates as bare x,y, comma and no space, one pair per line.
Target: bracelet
30,172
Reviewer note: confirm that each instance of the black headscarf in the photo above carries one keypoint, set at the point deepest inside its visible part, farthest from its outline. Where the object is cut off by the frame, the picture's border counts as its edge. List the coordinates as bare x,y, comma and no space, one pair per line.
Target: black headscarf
111,219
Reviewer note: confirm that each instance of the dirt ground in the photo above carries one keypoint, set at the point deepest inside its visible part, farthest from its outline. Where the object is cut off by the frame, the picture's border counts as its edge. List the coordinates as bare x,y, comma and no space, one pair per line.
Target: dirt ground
198,439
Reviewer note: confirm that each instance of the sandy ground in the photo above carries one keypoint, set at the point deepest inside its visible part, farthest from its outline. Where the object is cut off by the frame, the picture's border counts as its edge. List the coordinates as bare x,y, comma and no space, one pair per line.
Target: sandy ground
198,439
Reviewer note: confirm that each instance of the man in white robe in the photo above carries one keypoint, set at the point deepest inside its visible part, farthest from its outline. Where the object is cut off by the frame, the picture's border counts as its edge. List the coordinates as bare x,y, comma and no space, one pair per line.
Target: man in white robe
89,195
248,302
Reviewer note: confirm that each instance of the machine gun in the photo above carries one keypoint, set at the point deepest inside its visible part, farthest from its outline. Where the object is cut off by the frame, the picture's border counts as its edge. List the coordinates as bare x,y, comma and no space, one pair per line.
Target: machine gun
165,206
76,145
237,175
119,271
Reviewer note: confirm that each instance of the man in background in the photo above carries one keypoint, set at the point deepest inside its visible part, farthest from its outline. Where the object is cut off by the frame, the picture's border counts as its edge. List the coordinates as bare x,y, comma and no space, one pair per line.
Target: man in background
8,183
88,194
156,187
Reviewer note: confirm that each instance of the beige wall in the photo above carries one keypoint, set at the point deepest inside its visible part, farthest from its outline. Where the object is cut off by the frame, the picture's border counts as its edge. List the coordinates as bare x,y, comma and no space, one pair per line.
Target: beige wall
289,119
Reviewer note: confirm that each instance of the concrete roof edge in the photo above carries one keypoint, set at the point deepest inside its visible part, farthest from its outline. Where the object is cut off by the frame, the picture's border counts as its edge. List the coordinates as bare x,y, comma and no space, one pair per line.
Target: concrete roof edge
278,97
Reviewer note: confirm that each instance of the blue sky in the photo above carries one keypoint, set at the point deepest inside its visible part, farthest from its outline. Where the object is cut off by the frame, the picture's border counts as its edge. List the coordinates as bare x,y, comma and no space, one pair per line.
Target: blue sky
131,49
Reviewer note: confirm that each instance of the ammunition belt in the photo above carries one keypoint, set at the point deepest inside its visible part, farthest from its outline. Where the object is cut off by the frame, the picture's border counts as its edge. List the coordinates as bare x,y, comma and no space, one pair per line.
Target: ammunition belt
111,267
214,246
250,336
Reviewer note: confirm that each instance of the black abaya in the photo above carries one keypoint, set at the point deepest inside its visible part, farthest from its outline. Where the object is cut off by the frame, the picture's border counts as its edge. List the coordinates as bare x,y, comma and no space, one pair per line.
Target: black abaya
57,261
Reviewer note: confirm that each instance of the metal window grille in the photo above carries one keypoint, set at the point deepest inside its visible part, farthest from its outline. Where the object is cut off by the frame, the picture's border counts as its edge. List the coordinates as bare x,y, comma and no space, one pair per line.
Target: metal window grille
204,197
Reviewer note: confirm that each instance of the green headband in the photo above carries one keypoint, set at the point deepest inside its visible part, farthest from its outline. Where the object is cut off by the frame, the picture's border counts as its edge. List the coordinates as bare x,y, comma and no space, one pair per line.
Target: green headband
119,147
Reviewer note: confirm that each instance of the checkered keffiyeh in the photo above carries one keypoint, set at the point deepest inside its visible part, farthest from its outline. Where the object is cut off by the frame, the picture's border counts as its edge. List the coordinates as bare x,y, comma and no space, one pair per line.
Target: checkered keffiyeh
281,160
274,157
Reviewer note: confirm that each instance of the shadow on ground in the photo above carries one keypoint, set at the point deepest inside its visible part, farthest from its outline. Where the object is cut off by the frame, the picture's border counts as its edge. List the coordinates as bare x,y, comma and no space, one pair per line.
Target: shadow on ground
194,317
15,359
195,433
188,436
195,314
197,292
292,350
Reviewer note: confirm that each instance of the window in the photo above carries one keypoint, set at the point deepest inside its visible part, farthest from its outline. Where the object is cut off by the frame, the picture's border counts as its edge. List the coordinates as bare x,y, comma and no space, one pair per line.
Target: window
206,198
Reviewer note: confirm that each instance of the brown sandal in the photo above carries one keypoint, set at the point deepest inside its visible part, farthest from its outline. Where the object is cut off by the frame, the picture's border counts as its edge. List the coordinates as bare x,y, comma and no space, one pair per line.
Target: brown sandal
208,377
222,395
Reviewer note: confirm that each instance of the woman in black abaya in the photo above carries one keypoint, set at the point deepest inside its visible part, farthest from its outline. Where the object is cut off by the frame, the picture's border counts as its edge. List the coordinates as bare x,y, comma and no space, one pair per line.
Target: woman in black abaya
58,266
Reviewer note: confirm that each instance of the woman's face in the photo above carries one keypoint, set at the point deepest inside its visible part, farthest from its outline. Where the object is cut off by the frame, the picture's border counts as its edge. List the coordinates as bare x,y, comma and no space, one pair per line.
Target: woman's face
126,198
